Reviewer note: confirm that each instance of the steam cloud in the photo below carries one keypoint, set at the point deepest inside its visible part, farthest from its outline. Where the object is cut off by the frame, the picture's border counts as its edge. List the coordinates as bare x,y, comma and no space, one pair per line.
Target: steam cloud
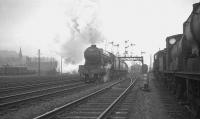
58,28
106,77
80,39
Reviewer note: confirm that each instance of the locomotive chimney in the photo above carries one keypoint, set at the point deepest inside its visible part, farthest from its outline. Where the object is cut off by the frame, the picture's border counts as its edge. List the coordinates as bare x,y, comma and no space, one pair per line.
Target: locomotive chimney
94,46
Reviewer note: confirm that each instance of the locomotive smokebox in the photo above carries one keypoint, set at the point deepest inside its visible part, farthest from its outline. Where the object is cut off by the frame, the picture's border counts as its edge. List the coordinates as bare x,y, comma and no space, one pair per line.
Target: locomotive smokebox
191,30
92,55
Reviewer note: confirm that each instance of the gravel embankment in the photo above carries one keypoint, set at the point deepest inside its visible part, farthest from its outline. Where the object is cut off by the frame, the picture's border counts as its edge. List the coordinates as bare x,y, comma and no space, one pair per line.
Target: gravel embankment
148,105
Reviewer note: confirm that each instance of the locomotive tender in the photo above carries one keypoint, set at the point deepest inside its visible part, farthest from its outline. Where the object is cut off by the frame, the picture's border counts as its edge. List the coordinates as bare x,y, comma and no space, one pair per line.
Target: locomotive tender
178,65
101,65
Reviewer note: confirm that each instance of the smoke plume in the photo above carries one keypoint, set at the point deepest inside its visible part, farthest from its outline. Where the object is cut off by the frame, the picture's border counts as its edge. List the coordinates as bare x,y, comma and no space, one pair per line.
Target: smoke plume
83,33
56,27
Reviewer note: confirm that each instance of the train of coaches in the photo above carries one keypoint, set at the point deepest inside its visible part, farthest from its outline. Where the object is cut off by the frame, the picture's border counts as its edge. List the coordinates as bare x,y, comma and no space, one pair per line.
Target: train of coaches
178,65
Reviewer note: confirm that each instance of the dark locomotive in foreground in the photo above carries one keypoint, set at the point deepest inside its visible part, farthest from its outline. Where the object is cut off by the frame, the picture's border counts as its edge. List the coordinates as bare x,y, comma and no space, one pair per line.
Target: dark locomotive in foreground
178,65
101,65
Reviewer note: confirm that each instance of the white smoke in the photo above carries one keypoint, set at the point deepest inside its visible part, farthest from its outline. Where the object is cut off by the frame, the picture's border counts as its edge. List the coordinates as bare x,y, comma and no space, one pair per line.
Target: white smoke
84,31
107,75
73,48
58,28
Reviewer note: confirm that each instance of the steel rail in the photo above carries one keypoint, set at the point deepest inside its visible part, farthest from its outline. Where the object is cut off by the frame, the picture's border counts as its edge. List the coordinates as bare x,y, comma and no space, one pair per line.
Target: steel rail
2,105
53,112
2,90
108,110
37,91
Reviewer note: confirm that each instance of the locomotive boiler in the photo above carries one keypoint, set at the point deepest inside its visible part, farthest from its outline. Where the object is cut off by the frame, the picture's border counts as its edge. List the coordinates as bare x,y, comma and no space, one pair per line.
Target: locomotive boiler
101,65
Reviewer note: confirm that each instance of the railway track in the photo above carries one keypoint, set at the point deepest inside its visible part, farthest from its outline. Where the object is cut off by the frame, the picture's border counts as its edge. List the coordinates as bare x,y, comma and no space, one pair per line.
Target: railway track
17,81
122,110
99,104
13,100
28,87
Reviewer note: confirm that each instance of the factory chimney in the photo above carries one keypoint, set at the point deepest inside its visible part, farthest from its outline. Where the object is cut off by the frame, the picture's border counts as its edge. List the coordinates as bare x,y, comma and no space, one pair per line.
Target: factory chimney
20,53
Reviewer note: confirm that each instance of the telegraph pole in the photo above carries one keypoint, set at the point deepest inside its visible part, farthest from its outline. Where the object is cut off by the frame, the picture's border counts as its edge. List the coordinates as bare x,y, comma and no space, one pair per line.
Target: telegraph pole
105,45
132,49
61,67
117,49
142,52
112,44
125,47
38,62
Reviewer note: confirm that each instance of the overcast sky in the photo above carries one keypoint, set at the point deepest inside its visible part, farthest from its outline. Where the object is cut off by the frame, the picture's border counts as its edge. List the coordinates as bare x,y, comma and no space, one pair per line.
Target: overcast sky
50,24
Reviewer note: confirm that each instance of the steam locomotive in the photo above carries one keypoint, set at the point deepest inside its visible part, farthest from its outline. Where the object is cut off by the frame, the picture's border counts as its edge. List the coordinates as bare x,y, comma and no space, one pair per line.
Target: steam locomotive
178,65
139,69
101,65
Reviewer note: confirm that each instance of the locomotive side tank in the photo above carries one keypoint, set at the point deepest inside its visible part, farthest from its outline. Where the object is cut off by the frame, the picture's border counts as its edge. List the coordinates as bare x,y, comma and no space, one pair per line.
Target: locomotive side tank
176,51
160,60
99,63
195,24
191,30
